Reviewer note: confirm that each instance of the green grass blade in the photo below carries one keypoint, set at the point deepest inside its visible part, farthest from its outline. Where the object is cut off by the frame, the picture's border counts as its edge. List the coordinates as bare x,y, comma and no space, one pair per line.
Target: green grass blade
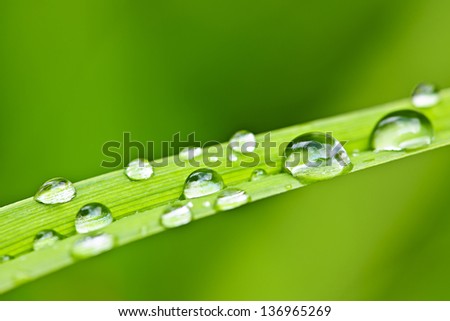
142,202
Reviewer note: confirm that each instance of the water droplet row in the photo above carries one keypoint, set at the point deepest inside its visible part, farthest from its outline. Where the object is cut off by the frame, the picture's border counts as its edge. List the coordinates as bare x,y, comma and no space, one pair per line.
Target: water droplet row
309,157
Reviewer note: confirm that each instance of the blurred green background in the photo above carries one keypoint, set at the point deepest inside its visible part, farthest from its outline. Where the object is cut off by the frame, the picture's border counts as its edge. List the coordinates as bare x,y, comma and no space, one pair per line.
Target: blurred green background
75,74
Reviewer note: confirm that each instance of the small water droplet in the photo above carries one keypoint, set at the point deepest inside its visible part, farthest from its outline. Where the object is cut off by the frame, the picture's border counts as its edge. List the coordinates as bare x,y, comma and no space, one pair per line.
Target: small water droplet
92,217
188,153
45,238
231,198
202,182
91,245
206,204
55,191
6,258
288,187
316,156
355,152
176,215
243,142
139,169
425,95
213,159
402,130
257,174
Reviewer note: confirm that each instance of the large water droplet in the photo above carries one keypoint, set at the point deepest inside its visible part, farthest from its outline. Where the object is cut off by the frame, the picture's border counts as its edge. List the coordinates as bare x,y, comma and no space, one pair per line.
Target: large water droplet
202,182
231,198
45,238
402,130
243,142
257,174
91,245
316,156
188,153
5,258
176,215
92,217
139,169
55,191
425,95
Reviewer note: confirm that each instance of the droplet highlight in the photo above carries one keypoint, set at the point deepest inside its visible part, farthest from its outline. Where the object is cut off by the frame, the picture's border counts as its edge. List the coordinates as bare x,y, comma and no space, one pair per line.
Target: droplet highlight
92,217
243,142
56,191
231,198
402,130
139,169
189,153
202,182
5,258
92,245
45,238
316,156
176,215
257,174
425,95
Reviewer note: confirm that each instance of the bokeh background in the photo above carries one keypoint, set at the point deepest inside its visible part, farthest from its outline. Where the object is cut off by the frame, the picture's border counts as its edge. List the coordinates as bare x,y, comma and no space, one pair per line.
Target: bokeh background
75,74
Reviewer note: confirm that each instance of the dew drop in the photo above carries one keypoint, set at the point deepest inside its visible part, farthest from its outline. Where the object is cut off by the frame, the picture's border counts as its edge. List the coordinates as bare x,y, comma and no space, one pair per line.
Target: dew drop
243,142
257,174
425,95
176,215
206,204
202,182
139,169
288,187
402,130
231,198
91,245
92,217
316,156
55,191
188,153
45,238
5,258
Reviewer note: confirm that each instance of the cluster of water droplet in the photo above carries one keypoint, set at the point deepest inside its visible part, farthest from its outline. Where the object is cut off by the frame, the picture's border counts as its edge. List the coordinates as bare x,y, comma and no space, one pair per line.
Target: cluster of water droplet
91,217
407,129
310,157
317,156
